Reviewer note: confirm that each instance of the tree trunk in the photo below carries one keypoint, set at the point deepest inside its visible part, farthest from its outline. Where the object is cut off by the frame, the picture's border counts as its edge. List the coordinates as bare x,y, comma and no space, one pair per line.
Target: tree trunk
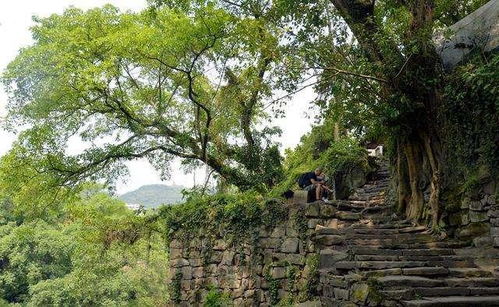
413,155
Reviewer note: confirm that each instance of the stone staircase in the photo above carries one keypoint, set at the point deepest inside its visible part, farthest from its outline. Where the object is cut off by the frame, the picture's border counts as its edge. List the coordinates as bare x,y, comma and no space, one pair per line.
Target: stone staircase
371,257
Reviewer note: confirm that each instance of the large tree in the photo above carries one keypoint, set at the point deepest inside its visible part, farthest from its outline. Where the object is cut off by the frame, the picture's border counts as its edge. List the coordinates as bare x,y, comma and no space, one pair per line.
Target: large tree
379,70
158,84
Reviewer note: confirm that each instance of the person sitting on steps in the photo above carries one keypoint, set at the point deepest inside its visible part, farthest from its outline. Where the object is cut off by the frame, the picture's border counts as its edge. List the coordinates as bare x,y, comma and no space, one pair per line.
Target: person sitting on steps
328,187
310,181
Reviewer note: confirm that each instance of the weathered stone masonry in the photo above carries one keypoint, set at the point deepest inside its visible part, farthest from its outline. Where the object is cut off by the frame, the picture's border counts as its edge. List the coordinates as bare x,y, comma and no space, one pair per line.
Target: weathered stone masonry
269,265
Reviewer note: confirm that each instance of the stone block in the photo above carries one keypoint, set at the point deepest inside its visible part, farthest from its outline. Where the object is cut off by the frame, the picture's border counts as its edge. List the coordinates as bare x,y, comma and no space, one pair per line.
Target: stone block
254,283
263,232
482,241
313,222
328,240
465,203
290,245
341,294
219,245
186,272
477,205
176,244
215,257
294,259
211,269
180,262
195,262
312,209
496,241
212,281
270,242
237,293
494,231
329,258
239,301
194,243
332,223
175,253
291,231
185,285
491,200
198,272
256,269
309,304
493,213
228,258
300,197
348,216
360,293
477,216
278,272
327,210
321,230
278,232
229,282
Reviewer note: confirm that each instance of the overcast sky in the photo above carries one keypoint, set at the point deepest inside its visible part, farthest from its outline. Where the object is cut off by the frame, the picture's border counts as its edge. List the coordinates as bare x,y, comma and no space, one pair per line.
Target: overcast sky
15,21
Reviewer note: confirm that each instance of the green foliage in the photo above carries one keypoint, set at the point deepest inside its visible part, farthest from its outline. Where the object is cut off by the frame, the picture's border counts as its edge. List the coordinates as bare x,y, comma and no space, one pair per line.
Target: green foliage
31,253
156,84
470,126
273,286
313,276
175,288
233,215
317,149
97,253
31,193
215,298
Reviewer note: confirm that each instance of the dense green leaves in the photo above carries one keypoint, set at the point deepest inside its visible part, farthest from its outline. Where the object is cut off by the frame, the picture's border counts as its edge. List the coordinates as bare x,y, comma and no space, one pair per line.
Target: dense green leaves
157,84
98,253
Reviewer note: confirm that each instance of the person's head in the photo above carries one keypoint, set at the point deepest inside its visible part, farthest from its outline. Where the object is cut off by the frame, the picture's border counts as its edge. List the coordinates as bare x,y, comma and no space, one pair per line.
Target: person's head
318,171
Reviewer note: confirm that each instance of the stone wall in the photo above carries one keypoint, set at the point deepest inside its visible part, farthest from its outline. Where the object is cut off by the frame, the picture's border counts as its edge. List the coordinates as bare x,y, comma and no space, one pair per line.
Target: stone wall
476,218
265,266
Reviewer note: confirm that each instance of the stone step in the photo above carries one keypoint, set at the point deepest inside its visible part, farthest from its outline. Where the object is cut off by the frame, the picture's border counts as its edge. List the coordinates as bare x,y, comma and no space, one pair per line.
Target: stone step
454,301
366,196
402,281
372,241
347,216
359,250
370,190
379,265
452,291
416,271
472,282
391,225
405,245
401,237
410,258
469,272
369,198
410,293
387,231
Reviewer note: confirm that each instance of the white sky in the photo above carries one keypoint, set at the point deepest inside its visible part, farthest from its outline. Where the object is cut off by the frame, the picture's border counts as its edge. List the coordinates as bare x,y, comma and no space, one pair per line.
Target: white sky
15,20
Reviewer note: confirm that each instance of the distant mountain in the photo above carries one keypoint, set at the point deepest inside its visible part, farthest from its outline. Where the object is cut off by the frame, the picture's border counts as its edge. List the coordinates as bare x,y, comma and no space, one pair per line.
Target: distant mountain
153,195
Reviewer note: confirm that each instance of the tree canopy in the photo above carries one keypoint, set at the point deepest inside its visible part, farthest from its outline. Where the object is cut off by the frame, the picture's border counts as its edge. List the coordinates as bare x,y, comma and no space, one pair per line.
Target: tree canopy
158,85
